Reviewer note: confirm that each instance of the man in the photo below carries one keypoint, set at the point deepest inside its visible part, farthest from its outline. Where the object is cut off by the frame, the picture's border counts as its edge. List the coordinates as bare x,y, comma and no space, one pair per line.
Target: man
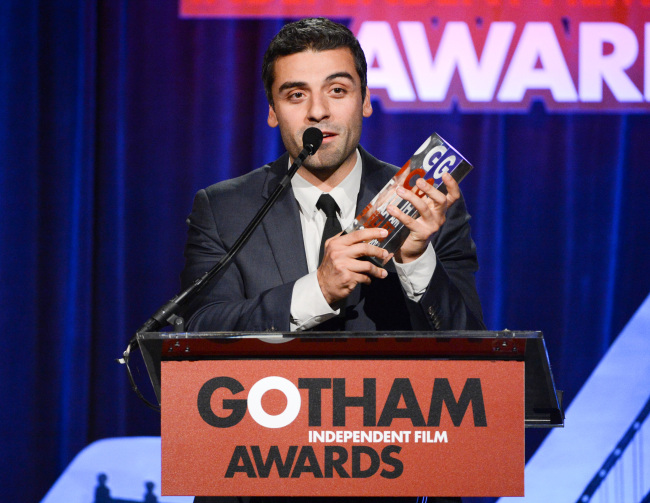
314,75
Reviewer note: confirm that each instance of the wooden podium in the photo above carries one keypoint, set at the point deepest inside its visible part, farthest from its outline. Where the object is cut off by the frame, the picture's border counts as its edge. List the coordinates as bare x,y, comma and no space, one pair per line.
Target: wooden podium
348,414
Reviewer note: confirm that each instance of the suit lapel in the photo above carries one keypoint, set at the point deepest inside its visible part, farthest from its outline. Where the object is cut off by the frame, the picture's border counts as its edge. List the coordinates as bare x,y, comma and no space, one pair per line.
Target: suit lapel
282,223
282,226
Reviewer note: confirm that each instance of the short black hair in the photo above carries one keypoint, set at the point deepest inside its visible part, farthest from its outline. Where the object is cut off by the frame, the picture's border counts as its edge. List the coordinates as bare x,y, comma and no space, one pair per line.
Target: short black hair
315,34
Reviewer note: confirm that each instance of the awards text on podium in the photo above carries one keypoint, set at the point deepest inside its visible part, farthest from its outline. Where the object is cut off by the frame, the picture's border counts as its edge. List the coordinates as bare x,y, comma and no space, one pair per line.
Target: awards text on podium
343,427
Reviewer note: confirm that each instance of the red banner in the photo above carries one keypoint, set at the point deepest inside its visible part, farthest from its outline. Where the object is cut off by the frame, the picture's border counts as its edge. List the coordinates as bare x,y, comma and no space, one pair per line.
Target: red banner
588,55
342,427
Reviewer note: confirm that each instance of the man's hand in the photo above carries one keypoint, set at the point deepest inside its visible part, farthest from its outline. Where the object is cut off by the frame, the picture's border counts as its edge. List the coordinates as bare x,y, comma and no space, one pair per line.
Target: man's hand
341,271
432,208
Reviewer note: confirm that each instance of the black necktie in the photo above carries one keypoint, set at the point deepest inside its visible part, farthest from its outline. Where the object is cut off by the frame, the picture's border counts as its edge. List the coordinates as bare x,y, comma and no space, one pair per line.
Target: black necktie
332,225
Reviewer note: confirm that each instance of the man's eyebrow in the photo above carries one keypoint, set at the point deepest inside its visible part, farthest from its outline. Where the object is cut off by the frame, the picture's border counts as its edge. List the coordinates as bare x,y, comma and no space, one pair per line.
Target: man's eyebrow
291,85
338,75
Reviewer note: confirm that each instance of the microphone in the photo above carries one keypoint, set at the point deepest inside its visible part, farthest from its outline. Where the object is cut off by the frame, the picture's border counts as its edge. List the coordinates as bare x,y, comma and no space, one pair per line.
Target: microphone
311,142
312,139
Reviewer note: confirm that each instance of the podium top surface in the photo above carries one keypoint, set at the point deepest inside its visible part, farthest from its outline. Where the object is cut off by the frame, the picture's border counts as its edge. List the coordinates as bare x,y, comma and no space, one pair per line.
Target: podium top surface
543,409
471,334
453,344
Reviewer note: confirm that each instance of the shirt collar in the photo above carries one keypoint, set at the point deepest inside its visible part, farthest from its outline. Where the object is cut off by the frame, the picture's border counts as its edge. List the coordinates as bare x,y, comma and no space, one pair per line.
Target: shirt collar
345,194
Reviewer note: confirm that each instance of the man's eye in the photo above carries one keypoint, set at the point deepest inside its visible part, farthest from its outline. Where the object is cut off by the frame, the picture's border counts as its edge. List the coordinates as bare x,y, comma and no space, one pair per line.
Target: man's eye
338,90
296,95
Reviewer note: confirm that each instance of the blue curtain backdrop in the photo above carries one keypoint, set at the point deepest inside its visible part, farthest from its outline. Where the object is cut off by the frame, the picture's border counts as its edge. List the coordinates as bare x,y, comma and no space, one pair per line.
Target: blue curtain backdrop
113,114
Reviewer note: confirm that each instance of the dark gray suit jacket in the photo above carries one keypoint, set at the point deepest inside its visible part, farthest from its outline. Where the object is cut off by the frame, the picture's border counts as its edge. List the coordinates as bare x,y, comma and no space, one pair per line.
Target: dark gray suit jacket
254,292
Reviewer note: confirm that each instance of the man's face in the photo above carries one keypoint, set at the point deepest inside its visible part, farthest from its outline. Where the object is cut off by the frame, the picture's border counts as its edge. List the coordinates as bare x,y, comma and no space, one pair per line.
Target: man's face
320,89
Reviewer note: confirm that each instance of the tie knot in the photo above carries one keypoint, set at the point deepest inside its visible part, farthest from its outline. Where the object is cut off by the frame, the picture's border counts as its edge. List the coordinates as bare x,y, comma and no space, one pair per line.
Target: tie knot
328,205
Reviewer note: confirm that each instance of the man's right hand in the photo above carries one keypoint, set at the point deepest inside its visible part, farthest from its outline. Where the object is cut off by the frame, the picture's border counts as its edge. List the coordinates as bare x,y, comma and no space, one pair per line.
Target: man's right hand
341,270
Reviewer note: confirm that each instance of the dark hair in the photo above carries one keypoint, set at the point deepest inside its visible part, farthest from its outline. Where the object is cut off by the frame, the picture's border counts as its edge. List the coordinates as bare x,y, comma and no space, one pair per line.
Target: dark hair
315,34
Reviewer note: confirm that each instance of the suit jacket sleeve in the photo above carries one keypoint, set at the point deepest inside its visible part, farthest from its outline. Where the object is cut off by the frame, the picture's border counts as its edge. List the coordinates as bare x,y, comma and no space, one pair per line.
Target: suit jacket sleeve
451,301
224,305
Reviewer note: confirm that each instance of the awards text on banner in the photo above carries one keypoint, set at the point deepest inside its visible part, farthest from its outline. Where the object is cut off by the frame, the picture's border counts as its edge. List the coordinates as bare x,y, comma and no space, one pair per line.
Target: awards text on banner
486,55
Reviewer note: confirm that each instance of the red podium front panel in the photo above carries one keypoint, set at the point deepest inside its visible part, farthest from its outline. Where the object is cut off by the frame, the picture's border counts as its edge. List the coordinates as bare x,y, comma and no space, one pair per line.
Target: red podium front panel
343,428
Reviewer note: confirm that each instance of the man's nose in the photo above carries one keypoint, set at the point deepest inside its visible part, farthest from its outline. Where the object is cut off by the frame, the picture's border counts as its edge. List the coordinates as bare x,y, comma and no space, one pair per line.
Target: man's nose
318,109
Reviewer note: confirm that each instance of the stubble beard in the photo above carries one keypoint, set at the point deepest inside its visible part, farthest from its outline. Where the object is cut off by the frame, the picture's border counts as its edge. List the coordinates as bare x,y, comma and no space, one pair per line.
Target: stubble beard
328,162
330,157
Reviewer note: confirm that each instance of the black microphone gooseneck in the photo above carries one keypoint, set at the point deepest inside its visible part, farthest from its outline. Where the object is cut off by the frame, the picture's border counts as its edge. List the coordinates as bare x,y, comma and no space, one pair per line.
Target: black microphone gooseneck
311,140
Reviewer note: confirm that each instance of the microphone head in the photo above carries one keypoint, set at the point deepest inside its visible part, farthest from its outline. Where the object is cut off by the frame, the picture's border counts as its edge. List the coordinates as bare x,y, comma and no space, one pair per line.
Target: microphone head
312,139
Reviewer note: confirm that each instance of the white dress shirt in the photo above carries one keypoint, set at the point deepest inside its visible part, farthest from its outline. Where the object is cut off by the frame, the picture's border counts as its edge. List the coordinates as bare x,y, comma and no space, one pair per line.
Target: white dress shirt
308,305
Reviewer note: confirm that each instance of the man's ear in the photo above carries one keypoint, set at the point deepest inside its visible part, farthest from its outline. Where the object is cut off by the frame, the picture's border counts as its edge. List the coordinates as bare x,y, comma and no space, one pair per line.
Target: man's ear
272,120
367,106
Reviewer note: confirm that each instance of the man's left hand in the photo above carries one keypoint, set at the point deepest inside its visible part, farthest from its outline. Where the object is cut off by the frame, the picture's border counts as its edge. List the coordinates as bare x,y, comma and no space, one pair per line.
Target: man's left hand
432,208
